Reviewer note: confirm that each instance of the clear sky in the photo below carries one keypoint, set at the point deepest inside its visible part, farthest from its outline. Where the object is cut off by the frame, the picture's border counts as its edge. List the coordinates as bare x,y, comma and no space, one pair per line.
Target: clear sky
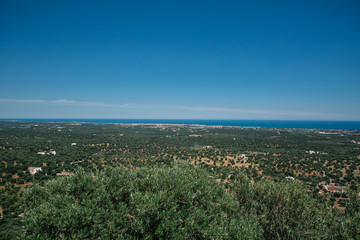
180,59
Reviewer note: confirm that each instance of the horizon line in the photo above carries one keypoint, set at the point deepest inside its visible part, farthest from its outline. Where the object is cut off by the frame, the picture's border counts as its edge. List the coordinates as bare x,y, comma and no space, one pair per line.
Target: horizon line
185,119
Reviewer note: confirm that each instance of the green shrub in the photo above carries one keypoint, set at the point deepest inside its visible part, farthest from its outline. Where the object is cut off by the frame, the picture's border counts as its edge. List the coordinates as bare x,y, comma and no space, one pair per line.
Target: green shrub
181,202
352,219
9,228
285,209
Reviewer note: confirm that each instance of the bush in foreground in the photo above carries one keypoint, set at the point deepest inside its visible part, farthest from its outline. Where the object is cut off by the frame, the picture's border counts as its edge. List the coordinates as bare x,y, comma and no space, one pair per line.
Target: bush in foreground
180,202
352,217
286,211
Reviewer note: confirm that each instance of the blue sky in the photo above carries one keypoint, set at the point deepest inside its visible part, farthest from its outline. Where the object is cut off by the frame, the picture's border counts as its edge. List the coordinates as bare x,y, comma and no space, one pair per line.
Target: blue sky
183,59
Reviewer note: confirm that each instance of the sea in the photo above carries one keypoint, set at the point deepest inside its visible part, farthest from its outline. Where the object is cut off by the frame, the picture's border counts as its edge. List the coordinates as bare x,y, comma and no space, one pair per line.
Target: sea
343,125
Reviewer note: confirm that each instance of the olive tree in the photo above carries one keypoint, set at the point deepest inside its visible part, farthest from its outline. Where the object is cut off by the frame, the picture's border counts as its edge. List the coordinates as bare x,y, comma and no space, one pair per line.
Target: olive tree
179,202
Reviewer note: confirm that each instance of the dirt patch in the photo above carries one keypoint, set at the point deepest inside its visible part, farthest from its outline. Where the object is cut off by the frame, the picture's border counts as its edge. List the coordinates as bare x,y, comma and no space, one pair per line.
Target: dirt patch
256,153
63,173
15,176
23,185
228,161
274,136
338,206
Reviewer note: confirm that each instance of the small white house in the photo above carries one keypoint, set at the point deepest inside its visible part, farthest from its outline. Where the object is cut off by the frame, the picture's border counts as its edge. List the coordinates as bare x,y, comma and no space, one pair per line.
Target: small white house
53,152
33,170
41,153
73,144
290,178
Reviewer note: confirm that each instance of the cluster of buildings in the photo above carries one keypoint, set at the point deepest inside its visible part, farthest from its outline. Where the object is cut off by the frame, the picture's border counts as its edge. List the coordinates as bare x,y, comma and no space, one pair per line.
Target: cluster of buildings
33,170
47,153
315,152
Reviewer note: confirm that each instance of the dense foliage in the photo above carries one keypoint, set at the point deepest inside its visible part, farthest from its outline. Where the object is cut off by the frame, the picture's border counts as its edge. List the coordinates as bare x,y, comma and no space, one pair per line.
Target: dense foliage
149,203
286,210
179,202
352,219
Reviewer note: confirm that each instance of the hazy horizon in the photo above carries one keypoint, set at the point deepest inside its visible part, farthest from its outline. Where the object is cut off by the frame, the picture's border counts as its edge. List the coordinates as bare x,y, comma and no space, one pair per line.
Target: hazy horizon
181,119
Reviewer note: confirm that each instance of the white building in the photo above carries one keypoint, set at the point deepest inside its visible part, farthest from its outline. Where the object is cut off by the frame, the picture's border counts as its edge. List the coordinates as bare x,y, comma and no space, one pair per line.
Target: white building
33,170
312,152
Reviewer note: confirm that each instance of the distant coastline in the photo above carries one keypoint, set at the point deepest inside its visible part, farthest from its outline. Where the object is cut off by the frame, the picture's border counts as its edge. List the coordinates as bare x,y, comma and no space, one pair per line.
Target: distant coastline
301,124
